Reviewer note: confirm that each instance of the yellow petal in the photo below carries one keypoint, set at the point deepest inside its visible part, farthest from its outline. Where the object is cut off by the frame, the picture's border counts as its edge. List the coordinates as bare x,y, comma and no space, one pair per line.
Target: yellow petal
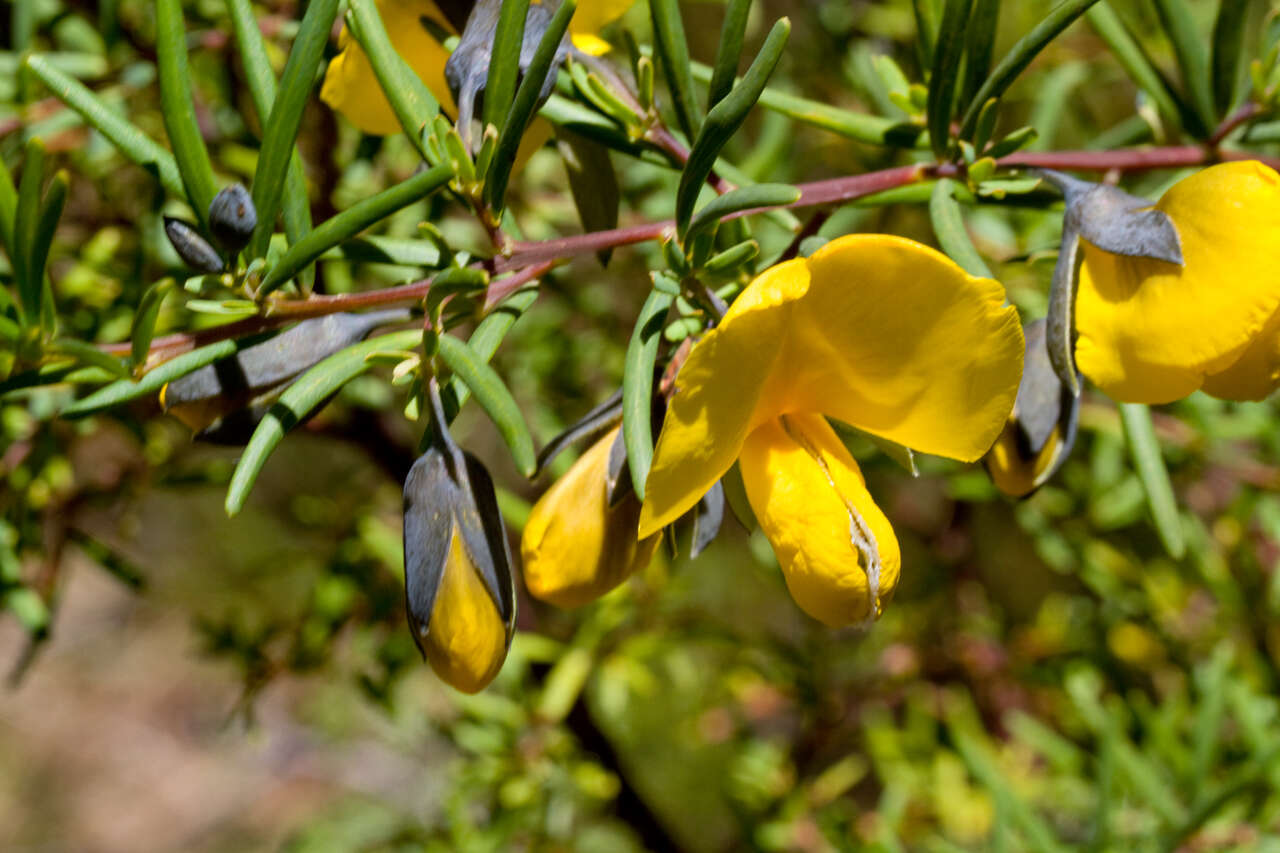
1149,332
881,332
836,549
575,547
1256,373
591,17
350,86
466,642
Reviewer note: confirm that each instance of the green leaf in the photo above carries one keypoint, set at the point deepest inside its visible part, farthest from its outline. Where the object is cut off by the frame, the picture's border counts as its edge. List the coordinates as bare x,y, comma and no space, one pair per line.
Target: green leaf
86,353
282,123
178,109
351,221
1020,56
412,102
672,50
637,384
132,142
729,52
298,401
504,65
1228,40
525,105
947,54
1138,65
948,226
980,44
1191,48
725,119
735,201
8,207
128,389
926,15
1144,448
296,210
38,258
144,319
592,180
26,221
492,395
484,342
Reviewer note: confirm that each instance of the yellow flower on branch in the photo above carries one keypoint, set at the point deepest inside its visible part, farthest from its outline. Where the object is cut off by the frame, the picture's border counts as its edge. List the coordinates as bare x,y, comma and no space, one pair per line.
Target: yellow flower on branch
880,332
1153,332
351,88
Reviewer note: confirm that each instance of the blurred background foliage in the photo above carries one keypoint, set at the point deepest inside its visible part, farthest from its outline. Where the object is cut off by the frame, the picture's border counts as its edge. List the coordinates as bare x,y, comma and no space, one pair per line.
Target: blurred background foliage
1047,678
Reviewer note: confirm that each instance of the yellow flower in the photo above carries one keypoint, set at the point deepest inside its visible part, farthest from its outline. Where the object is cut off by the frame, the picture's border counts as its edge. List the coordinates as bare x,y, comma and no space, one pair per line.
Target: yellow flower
467,640
351,88
1153,332
880,332
575,546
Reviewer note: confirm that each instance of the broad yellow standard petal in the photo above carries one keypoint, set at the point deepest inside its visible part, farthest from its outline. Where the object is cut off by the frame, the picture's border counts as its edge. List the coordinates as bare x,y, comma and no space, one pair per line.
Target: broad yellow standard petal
881,332
351,87
1150,332
836,549
466,641
575,546
1256,373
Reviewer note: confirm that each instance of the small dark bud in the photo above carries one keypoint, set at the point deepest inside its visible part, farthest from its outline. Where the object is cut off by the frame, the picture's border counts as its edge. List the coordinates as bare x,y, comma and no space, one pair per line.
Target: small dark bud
232,218
194,250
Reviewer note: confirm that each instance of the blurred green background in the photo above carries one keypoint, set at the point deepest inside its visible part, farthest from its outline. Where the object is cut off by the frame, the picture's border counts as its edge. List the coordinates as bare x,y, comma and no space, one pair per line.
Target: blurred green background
1046,678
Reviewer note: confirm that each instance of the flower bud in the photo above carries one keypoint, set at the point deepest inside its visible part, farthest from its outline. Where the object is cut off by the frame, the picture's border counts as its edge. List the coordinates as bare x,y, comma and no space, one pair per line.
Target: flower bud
577,545
459,591
232,218
1041,429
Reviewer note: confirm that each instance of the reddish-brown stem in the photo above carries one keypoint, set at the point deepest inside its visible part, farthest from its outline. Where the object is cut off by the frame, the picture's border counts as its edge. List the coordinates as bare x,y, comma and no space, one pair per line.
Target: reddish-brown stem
664,139
1246,113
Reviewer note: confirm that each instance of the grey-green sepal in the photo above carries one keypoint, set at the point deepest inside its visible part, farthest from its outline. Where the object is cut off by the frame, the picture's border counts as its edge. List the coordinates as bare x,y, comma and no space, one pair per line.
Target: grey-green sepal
447,493
232,218
1043,403
594,423
194,250
708,516
1060,336
264,366
1117,222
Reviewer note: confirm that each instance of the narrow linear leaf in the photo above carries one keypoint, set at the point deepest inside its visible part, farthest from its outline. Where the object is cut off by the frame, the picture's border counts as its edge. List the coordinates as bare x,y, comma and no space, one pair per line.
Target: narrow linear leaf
8,207
351,221
672,49
725,119
947,54
980,44
86,353
26,220
296,208
144,319
178,109
737,200
492,395
281,129
127,390
525,105
592,181
1190,46
1020,56
504,66
949,228
729,52
926,30
637,386
1228,39
132,142
412,102
1144,447
37,260
298,401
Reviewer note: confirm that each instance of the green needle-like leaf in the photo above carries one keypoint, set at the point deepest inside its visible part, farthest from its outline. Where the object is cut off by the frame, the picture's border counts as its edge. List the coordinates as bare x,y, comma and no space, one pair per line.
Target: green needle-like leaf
298,401
980,44
1228,39
1020,56
1191,48
948,227
492,395
637,385
1138,65
504,65
946,70
38,258
144,319
179,111
735,201
352,221
87,353
525,105
282,124
26,221
725,119
131,141
672,50
1144,447
730,50
8,207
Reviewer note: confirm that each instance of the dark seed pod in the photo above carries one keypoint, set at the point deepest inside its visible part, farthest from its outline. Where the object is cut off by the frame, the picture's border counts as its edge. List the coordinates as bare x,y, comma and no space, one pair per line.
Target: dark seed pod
194,250
1041,429
232,218
459,589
